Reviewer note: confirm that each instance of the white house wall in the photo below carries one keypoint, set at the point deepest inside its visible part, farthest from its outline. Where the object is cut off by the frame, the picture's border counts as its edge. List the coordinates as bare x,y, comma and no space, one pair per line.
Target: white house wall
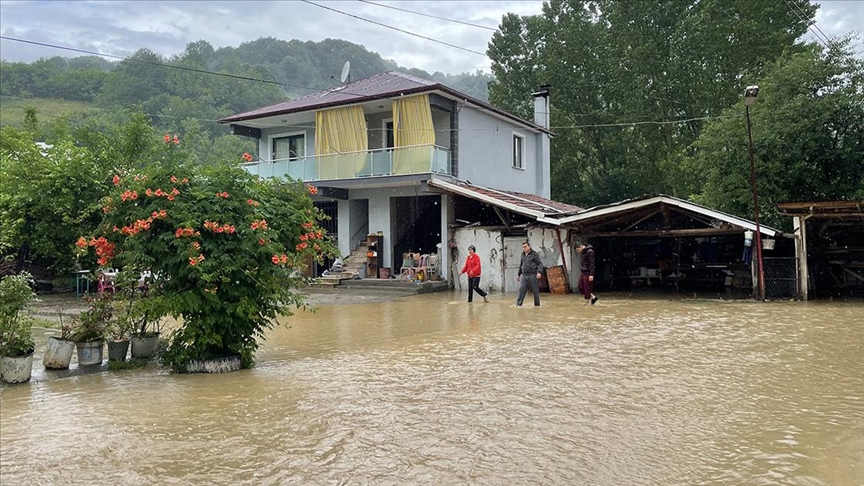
490,247
486,153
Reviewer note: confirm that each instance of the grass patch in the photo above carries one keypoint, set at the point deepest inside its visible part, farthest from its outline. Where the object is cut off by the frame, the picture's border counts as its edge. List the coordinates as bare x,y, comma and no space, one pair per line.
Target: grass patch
39,322
12,109
130,364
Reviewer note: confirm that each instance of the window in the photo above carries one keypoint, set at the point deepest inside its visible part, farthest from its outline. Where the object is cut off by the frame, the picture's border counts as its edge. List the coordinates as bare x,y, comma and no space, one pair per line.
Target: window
292,147
518,151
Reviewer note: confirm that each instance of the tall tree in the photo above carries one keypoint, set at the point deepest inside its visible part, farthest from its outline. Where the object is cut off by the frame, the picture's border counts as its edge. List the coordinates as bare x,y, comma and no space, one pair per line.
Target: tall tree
625,74
808,138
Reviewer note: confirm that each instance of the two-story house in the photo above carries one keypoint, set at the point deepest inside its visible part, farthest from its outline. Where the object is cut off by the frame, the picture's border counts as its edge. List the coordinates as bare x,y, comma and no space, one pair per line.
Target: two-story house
389,153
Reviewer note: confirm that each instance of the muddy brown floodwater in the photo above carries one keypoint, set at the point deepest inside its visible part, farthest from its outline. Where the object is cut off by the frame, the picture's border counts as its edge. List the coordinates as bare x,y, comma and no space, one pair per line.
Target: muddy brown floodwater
431,390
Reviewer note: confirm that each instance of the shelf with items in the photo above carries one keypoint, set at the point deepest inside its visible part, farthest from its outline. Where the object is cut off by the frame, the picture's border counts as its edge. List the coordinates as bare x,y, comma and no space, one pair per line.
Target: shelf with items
374,254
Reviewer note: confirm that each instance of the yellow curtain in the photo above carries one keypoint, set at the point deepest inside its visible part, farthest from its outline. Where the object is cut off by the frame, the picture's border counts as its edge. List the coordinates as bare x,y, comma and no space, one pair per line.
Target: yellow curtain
412,125
338,131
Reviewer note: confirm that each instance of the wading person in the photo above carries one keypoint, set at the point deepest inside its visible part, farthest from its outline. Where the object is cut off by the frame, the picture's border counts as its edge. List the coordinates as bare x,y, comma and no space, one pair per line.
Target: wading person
472,268
530,270
586,280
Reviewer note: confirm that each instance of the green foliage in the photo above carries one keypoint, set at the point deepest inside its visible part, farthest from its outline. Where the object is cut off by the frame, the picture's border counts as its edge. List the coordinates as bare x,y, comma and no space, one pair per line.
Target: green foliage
808,138
128,364
224,249
93,324
15,294
616,66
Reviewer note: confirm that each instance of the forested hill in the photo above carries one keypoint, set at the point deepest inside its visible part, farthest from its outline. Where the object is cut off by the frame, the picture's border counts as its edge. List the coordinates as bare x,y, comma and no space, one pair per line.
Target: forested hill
293,68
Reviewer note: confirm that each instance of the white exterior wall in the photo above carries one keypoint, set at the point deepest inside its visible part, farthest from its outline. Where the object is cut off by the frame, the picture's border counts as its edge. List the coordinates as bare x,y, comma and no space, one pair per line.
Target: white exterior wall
486,154
490,247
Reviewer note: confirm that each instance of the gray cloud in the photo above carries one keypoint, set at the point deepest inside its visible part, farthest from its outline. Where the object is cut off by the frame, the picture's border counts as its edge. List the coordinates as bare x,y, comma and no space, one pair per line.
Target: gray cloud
121,27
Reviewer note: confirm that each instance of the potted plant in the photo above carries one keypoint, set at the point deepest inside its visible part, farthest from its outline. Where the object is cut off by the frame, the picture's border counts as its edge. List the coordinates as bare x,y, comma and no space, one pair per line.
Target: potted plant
90,328
119,331
16,342
58,350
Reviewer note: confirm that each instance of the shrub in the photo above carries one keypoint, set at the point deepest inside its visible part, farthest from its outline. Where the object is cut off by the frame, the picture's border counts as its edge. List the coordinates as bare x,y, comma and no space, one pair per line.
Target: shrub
15,331
225,250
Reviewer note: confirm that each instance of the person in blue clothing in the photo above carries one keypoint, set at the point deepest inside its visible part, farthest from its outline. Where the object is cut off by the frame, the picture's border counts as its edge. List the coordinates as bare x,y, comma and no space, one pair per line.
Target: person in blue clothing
530,270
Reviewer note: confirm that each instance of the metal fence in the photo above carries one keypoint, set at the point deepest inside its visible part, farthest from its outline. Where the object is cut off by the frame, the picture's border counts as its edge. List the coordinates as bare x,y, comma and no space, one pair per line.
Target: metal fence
781,277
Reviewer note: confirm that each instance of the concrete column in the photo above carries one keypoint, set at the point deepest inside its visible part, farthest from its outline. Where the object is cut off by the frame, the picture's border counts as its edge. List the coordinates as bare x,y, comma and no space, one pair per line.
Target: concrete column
343,227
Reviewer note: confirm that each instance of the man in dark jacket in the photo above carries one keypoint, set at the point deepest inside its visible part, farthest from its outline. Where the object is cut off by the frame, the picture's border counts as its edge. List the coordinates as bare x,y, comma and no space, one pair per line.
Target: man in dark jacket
530,269
586,281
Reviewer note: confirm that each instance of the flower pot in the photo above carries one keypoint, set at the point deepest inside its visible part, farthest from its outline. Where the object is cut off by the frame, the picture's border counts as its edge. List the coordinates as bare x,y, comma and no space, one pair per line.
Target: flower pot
16,369
58,354
117,350
216,365
145,346
90,353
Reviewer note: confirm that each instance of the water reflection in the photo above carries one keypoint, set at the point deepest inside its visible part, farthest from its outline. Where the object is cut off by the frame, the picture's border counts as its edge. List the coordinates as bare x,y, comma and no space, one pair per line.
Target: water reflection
432,390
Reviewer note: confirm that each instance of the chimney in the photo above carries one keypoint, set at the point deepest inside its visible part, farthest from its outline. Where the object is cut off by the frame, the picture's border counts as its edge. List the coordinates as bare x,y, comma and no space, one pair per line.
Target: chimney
541,106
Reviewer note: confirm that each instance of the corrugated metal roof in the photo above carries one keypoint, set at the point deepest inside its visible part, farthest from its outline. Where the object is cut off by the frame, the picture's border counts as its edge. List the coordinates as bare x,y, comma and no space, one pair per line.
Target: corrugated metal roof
520,202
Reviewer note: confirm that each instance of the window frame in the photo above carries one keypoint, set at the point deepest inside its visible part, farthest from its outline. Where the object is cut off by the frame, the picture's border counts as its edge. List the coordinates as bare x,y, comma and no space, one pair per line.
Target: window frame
521,139
272,140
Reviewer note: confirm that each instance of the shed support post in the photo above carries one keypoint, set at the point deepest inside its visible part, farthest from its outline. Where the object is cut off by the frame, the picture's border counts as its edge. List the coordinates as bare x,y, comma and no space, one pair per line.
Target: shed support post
800,225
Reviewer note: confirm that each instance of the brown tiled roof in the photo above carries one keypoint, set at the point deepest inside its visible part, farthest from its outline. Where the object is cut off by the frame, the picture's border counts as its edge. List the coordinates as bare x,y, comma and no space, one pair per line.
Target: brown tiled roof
376,86
379,86
519,200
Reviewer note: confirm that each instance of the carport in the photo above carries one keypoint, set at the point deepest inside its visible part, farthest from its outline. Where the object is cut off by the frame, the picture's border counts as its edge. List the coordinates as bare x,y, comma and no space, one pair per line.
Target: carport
662,243
829,246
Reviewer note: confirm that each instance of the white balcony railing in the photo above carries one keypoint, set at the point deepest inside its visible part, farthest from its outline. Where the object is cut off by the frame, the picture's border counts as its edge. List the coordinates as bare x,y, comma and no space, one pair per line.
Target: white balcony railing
416,159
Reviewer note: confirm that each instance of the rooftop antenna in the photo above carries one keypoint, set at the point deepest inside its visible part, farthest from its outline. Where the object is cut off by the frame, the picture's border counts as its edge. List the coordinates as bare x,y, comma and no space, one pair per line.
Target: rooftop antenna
346,73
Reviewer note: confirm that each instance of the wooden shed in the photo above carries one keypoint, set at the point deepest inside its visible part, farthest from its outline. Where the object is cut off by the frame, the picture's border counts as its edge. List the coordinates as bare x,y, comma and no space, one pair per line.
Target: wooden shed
829,246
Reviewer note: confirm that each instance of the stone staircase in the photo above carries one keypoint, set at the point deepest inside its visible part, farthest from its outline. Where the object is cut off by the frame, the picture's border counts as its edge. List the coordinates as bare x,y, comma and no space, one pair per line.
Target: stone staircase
346,280
352,264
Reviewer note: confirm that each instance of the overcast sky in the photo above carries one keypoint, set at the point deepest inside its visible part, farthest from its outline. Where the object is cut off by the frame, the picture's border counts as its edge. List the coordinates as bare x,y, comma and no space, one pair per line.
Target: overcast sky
121,27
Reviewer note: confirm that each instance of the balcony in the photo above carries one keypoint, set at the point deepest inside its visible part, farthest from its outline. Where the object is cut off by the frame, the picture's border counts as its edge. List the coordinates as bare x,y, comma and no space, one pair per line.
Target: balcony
417,159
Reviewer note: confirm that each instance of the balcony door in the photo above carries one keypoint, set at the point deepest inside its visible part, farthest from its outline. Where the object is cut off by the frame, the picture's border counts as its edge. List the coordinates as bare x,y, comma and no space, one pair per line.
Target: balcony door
289,147
387,127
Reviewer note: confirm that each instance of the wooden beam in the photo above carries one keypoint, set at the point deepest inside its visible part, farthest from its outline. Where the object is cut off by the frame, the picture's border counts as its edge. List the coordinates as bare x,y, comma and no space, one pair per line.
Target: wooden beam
649,215
668,233
502,216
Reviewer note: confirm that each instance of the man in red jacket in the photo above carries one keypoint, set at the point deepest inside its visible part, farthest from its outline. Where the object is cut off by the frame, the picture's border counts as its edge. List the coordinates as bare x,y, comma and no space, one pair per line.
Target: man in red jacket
472,268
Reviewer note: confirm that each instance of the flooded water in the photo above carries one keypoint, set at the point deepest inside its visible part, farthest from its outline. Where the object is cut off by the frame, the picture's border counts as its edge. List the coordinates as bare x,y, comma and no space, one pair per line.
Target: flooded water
432,390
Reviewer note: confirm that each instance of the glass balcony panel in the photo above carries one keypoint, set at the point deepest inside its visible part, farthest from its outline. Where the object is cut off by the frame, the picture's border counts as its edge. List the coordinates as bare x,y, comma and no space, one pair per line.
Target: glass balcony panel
419,159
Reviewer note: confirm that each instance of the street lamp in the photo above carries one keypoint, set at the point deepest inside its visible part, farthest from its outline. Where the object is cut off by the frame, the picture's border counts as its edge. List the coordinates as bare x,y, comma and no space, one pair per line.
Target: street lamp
750,95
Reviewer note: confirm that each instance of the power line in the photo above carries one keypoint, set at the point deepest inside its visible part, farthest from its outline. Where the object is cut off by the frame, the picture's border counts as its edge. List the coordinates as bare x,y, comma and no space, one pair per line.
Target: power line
429,15
813,23
394,28
361,97
793,8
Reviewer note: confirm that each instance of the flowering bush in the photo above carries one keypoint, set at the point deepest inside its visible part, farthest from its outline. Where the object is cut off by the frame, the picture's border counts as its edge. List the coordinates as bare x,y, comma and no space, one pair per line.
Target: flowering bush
225,250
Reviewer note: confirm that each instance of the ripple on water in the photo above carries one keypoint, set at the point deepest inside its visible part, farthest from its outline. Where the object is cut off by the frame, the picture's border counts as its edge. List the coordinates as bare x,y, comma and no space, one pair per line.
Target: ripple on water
431,390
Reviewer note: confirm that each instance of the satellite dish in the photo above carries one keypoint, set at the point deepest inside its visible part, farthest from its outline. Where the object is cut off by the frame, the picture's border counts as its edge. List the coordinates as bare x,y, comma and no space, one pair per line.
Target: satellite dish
346,72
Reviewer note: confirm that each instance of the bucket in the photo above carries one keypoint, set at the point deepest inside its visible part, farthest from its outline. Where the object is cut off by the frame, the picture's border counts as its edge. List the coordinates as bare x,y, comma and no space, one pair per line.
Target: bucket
58,353
117,350
768,244
90,353
17,369
145,346
383,273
